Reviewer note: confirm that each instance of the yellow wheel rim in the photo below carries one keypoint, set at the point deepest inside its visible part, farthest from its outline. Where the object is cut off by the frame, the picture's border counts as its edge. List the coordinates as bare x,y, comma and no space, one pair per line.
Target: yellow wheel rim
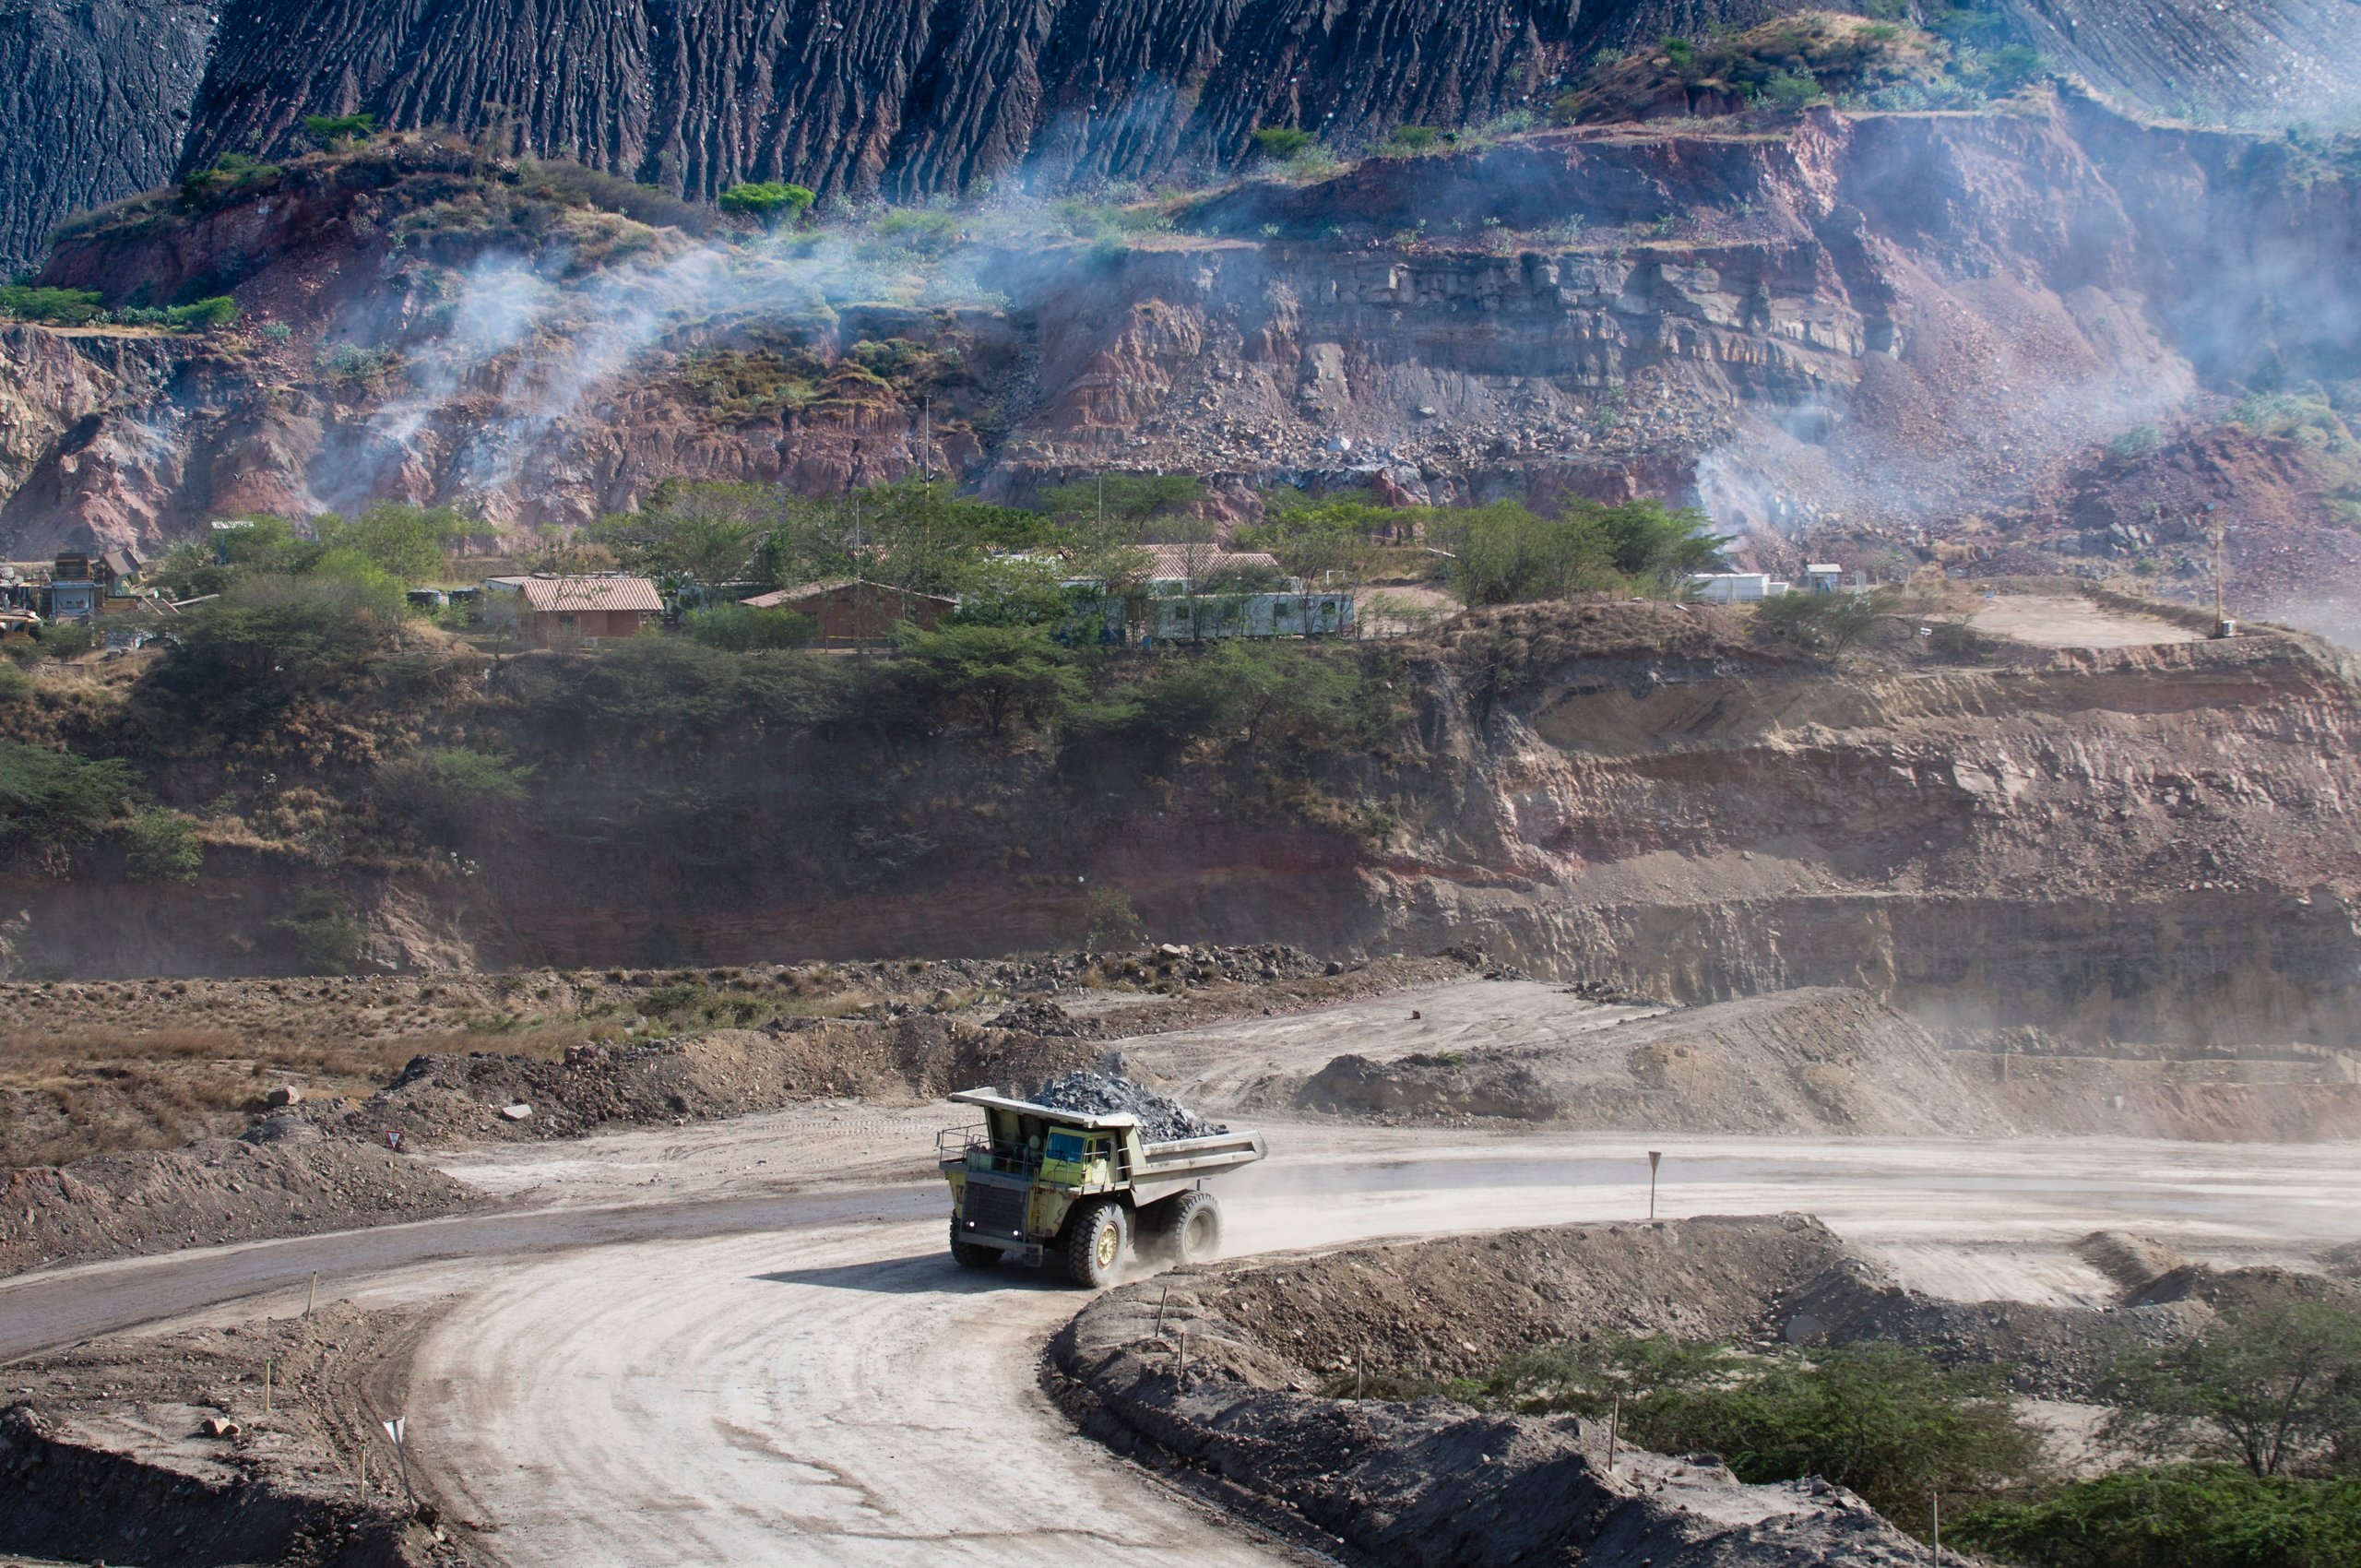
1110,1242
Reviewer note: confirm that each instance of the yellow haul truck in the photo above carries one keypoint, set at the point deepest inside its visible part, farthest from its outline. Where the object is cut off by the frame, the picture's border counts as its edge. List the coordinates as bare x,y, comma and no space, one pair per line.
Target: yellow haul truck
1042,1184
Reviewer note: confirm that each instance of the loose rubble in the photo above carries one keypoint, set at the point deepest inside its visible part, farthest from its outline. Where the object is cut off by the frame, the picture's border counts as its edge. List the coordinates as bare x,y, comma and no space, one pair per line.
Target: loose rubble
1162,1118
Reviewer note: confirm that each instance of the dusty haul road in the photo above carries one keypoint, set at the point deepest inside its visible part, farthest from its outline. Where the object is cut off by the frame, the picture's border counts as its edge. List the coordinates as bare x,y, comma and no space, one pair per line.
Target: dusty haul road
736,1343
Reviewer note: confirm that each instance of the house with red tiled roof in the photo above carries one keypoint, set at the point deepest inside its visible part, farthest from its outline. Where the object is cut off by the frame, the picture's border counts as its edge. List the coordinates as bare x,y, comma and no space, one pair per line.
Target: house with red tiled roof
555,611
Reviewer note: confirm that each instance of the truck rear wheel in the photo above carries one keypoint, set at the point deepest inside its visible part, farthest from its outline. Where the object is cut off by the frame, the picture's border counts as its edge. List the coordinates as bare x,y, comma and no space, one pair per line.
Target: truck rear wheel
972,1254
1094,1239
1196,1228
1186,1229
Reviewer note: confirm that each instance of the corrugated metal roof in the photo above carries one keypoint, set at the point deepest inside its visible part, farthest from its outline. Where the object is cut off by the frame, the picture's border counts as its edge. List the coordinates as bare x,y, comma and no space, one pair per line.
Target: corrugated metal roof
1185,561
566,594
779,597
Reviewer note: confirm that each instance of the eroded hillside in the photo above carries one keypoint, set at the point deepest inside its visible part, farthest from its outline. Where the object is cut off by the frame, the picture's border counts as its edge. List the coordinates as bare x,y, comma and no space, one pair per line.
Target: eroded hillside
1969,335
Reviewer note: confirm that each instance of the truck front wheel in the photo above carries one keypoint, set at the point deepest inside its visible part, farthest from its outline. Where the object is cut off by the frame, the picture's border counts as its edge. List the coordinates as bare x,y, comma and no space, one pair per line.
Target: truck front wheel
1094,1239
972,1254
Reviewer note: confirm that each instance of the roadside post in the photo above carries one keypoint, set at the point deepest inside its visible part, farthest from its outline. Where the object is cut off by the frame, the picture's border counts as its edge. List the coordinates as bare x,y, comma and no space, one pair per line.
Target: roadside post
394,1429
1655,1158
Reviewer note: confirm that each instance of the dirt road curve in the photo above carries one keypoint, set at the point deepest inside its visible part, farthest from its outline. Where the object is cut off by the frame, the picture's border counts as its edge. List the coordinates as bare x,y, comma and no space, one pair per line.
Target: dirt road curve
678,1357
843,1395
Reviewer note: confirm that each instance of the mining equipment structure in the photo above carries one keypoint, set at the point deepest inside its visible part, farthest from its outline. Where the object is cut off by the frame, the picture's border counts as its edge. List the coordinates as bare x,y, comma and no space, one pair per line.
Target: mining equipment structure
1075,1190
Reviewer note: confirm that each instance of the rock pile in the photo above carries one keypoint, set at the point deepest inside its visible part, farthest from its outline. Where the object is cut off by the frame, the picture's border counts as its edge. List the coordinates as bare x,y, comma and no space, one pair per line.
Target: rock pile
1162,1118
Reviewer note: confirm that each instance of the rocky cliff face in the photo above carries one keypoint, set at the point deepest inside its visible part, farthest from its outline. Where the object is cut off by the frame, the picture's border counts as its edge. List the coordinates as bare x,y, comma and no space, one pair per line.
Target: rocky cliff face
1899,327
911,99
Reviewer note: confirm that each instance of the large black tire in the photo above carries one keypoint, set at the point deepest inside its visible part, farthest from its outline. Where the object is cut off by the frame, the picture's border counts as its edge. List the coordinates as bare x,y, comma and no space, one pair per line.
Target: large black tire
972,1254
1196,1228
1095,1234
1186,1229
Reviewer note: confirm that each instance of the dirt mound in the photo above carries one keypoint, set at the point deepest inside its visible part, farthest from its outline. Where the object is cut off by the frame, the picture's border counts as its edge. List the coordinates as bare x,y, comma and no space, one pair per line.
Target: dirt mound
2132,1262
726,1072
215,1190
1814,1060
161,1452
1162,1118
1430,1481
1038,1017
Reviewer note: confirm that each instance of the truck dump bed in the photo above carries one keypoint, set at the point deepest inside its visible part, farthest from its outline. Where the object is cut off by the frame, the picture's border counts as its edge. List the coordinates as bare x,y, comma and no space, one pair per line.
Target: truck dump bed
1163,1167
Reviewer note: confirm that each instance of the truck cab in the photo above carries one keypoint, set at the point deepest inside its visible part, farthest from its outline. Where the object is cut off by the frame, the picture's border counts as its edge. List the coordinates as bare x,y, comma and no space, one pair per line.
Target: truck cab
1050,1186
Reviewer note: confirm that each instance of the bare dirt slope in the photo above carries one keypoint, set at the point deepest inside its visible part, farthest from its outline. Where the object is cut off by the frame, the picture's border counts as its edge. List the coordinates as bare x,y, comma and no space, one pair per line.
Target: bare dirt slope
1814,1060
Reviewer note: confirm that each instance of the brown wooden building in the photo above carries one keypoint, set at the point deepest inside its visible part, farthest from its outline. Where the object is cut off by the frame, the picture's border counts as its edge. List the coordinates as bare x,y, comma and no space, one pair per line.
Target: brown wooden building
554,611
854,615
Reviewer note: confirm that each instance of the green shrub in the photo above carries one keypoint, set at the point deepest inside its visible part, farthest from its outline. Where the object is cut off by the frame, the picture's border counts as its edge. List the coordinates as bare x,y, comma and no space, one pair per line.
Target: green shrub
233,175
162,847
324,932
1412,139
353,361
2194,1517
576,184
450,791
329,129
1883,1419
1826,623
1109,920
1284,143
2139,441
927,231
1792,89
742,630
47,794
58,307
651,690
14,684
769,203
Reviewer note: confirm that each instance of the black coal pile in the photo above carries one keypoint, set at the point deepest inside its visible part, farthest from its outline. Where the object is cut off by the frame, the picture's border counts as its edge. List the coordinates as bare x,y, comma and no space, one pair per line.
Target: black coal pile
1162,1118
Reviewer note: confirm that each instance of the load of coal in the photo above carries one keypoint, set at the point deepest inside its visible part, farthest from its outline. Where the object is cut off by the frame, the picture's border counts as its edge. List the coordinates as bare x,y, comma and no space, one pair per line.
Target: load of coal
1162,1119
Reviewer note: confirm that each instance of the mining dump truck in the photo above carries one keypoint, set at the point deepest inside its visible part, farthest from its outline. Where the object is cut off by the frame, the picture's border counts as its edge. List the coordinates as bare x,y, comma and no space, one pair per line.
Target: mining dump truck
1064,1187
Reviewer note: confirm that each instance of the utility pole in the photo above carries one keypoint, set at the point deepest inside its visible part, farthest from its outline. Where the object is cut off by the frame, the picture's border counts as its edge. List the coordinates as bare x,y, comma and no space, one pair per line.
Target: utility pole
1935,1501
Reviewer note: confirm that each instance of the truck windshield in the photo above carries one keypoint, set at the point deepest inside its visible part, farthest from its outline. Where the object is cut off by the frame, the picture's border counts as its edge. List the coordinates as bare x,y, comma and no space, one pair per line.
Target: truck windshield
1064,1145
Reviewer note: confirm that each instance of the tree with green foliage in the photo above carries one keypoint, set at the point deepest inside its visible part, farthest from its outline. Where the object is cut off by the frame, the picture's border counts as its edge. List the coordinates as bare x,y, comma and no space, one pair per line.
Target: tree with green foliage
1833,623
768,202
408,544
2274,1385
241,661
330,129
741,629
1506,554
1314,537
162,847
48,794
450,791
711,531
1108,920
991,675
2194,1517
